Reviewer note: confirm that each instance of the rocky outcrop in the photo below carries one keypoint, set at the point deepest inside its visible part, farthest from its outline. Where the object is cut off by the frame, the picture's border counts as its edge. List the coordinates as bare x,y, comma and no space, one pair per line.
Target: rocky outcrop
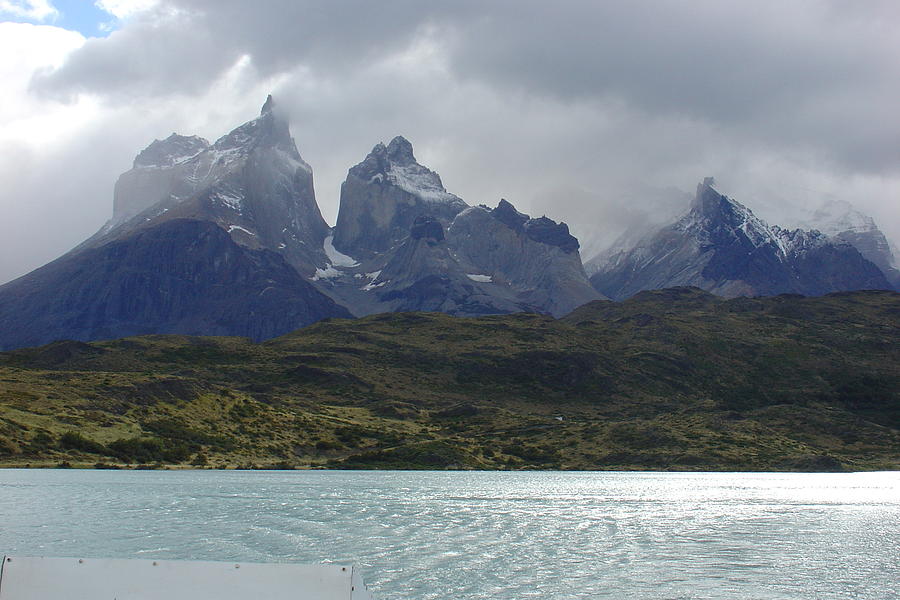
179,276
428,228
543,230
383,195
721,247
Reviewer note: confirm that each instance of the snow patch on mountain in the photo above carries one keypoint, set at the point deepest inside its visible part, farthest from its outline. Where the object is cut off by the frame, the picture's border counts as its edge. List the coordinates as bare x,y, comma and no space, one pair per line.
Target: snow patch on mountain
232,200
328,272
335,256
372,285
239,228
420,182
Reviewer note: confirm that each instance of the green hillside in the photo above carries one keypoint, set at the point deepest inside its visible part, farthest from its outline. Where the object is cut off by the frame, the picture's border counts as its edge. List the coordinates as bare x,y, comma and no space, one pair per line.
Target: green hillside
673,380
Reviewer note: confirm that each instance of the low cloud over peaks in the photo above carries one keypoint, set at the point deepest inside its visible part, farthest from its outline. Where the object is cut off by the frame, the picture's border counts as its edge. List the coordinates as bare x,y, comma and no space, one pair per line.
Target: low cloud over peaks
785,103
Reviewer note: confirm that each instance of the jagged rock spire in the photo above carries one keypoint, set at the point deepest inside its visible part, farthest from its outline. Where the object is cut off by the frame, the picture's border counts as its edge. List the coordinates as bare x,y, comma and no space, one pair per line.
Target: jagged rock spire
268,106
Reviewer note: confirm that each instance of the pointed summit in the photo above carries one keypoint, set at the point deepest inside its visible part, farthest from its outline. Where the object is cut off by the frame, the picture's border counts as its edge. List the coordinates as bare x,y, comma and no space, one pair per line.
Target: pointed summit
507,214
400,151
268,106
716,220
708,200
270,129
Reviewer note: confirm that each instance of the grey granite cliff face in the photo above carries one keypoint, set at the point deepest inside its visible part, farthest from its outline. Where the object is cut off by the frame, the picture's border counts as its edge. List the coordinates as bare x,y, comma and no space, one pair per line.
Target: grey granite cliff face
483,262
252,182
721,247
383,195
179,276
536,258
422,274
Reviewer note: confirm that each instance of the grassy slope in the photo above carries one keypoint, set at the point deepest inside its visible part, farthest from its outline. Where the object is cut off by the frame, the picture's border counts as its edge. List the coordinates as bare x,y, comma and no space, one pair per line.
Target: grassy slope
672,379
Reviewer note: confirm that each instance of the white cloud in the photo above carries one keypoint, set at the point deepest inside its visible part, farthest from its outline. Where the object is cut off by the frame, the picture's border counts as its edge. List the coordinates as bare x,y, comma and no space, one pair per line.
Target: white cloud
31,130
38,10
122,9
24,118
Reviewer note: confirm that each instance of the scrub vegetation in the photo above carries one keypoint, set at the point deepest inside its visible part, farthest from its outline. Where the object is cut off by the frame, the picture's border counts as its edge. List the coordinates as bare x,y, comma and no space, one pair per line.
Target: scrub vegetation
673,379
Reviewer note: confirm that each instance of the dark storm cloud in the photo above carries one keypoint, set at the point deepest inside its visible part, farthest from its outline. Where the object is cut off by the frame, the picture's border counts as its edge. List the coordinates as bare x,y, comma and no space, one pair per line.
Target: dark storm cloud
816,75
797,73
182,46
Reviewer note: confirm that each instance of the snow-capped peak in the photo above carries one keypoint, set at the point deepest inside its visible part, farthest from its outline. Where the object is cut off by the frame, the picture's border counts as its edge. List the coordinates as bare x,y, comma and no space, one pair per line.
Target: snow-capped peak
839,216
270,128
713,213
396,164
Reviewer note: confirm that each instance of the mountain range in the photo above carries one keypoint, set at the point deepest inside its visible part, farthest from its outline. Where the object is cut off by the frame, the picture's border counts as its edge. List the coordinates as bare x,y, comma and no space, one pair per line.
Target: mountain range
227,238
722,247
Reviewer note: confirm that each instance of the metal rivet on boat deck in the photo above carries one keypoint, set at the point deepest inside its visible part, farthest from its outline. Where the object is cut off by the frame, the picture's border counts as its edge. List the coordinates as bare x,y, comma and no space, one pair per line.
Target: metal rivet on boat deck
8,559
343,568
237,566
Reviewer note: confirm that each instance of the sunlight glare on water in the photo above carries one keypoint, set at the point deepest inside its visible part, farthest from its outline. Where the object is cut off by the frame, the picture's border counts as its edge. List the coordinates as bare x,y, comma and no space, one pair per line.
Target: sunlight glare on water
487,535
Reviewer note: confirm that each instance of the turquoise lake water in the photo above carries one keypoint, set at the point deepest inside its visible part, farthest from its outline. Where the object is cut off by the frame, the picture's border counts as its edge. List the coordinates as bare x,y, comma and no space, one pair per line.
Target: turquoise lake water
487,535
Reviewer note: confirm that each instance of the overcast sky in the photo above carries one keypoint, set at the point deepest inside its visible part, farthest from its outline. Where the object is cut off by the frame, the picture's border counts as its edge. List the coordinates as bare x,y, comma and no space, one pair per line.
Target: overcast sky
585,111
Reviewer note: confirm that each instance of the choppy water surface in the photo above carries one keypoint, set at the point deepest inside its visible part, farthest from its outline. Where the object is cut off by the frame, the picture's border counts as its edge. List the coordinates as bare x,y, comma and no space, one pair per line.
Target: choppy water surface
487,535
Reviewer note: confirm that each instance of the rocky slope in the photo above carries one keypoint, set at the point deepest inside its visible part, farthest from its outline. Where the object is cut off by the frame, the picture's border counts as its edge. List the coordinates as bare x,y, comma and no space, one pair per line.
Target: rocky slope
180,276
720,246
671,379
